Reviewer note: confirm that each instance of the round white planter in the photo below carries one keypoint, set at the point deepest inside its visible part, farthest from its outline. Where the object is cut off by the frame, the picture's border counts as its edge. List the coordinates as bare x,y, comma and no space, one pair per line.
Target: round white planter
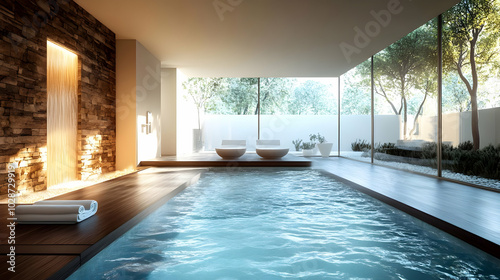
308,152
325,149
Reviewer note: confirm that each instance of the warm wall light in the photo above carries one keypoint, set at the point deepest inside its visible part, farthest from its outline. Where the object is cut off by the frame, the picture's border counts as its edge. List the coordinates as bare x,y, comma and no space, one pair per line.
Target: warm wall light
91,157
62,102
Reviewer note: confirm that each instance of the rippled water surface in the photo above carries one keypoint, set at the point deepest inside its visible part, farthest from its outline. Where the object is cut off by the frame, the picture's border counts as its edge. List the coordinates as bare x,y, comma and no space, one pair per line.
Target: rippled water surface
275,224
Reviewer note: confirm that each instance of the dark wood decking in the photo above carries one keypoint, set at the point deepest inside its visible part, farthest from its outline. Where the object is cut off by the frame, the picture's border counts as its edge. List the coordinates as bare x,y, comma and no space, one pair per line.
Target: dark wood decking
55,251
249,159
469,213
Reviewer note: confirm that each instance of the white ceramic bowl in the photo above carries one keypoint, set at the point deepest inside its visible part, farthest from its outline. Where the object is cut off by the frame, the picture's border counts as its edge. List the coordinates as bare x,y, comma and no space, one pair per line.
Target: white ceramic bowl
272,152
230,152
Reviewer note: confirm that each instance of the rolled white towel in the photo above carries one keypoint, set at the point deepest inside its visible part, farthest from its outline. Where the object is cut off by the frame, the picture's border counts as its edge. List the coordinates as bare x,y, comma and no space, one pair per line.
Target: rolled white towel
48,219
88,204
56,211
49,209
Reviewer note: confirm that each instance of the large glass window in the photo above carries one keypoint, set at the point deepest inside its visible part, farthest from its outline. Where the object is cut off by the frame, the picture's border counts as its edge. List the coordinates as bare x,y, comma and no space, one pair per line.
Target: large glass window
405,98
293,109
355,117
290,110
406,126
232,114
216,109
405,91
471,107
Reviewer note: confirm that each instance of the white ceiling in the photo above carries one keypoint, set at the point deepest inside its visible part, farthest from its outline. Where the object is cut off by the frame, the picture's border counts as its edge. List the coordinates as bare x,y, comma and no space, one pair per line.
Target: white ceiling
260,38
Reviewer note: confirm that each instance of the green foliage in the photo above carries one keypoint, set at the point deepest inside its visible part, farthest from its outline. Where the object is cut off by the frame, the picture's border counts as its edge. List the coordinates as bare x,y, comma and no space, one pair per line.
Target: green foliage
384,148
405,73
484,162
360,145
356,93
471,23
239,96
463,159
317,138
471,31
273,91
308,145
466,146
310,98
202,91
297,143
455,95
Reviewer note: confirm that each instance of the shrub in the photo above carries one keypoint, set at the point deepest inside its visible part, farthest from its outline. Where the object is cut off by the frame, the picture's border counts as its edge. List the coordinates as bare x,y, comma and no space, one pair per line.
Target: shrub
463,159
308,145
360,145
484,162
297,143
466,146
384,148
429,150
317,137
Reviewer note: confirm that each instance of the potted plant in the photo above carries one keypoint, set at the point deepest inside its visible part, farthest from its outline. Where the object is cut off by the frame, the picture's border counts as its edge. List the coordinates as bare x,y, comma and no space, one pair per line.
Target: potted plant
308,149
297,143
201,91
324,147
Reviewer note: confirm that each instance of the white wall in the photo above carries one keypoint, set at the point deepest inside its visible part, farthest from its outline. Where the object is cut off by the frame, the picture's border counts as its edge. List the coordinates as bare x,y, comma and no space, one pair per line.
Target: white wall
352,128
291,127
229,127
169,111
126,138
358,127
457,127
386,129
285,128
148,97
288,128
138,80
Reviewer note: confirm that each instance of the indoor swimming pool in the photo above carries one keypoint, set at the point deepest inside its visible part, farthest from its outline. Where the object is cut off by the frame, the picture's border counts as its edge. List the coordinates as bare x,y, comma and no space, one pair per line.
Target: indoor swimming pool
258,223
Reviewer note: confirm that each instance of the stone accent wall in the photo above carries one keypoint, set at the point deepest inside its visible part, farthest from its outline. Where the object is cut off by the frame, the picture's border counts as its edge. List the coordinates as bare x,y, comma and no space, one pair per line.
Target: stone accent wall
26,26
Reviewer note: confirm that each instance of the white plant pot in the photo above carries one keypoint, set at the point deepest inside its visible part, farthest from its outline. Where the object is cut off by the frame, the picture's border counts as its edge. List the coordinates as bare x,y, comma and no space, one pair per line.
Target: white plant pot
325,149
308,152
197,140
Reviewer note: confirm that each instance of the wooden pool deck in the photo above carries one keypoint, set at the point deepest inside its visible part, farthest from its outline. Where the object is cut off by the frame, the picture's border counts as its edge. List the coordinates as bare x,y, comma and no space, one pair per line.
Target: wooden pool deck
55,251
471,214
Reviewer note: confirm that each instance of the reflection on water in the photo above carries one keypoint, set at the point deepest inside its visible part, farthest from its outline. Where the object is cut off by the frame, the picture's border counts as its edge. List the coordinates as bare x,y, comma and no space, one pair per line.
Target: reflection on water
258,224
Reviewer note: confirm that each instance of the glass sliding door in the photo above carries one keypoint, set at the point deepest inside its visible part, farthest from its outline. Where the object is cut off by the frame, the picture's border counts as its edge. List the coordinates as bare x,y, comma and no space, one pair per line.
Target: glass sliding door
355,117
405,85
471,99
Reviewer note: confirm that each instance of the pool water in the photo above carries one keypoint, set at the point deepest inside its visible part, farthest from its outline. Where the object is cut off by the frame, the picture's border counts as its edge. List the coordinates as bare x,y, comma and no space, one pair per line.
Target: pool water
278,224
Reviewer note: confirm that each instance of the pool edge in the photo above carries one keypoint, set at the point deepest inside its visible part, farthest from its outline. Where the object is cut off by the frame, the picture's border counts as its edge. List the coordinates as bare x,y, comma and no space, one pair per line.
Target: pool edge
94,249
477,241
